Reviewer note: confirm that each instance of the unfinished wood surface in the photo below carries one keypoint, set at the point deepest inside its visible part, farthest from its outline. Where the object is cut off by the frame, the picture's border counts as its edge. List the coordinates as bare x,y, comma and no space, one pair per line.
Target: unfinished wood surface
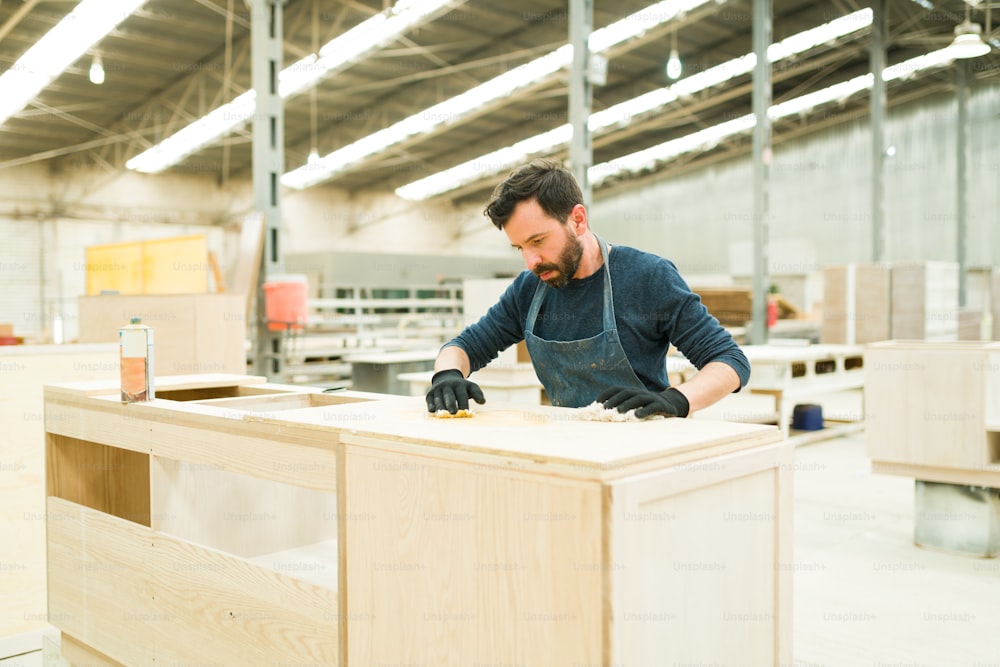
731,305
193,333
107,479
926,403
145,598
871,317
24,369
100,580
78,654
457,566
995,301
925,301
701,552
534,436
181,431
838,299
856,304
246,268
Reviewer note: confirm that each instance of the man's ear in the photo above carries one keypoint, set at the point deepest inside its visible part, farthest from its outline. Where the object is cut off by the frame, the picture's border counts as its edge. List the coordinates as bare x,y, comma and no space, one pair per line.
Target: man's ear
578,216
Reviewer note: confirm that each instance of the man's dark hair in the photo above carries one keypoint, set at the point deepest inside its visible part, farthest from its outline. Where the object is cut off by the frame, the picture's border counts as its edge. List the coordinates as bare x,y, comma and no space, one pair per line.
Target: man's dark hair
546,181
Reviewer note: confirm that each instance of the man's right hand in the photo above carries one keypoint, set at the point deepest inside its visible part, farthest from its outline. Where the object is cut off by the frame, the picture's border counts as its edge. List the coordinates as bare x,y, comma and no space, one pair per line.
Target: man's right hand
451,391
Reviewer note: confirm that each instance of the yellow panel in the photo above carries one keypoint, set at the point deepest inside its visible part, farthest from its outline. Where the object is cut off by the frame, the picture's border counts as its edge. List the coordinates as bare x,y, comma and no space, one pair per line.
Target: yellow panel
116,267
177,265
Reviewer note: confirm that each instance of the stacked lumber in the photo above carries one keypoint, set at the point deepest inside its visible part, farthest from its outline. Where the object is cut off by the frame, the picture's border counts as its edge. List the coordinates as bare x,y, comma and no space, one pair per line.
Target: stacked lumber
731,305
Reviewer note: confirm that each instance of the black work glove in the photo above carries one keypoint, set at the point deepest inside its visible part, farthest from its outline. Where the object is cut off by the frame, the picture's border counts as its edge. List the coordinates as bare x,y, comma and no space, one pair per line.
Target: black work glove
669,403
451,391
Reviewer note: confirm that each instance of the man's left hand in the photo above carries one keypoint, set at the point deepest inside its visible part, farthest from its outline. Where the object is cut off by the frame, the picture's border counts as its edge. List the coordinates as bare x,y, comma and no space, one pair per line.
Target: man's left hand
670,403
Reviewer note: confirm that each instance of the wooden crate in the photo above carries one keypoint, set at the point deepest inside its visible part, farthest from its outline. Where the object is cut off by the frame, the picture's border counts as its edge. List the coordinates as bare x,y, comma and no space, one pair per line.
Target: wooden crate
360,531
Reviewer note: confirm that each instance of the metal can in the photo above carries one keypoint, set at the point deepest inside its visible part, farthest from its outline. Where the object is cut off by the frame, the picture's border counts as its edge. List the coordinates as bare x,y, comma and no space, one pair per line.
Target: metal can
135,344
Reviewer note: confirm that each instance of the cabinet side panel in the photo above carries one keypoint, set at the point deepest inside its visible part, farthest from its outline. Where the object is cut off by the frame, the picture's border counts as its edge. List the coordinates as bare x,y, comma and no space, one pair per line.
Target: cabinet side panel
98,580
698,556
107,479
451,564
213,608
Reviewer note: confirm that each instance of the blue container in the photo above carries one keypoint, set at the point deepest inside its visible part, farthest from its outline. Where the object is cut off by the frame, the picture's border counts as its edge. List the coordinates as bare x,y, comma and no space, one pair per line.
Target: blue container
807,417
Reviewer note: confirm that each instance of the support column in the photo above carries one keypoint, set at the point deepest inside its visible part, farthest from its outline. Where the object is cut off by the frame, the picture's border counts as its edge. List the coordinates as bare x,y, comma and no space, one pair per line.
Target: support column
762,158
878,102
581,21
962,178
268,164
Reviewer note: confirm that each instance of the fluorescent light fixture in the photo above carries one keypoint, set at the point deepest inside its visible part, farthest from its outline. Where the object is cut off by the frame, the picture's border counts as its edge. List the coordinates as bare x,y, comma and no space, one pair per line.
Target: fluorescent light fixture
342,51
622,114
60,47
461,106
710,137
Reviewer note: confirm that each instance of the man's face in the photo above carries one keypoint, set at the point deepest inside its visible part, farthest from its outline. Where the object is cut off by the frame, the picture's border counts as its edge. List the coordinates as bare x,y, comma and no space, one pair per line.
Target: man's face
551,248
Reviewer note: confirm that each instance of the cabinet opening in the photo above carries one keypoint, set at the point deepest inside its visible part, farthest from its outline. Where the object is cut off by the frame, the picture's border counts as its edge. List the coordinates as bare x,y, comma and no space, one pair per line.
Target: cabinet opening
273,403
206,393
107,479
993,445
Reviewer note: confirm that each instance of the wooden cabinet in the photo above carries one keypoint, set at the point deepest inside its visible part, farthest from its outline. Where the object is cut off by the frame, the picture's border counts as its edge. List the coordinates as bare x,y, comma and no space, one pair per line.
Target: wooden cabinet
231,521
932,410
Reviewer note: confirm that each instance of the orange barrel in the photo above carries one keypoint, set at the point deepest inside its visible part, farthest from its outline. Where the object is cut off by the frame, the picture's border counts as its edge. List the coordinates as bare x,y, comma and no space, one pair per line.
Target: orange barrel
285,301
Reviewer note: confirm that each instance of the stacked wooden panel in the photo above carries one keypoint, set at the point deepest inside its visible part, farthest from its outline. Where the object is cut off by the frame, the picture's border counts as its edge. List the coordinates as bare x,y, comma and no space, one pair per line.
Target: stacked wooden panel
732,306
865,303
856,304
925,301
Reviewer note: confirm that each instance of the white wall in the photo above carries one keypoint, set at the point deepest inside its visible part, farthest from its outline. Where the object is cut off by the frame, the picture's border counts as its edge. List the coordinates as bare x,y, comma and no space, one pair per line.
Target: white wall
821,192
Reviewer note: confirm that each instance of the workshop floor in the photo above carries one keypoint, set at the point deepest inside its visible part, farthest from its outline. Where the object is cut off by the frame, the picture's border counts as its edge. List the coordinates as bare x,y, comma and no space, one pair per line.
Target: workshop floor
865,596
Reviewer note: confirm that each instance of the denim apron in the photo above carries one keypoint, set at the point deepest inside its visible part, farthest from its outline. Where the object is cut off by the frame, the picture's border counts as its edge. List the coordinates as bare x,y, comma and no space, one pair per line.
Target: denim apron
575,372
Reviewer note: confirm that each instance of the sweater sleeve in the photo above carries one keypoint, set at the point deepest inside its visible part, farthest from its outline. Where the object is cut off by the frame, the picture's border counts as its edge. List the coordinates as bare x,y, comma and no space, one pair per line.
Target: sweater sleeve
698,334
501,326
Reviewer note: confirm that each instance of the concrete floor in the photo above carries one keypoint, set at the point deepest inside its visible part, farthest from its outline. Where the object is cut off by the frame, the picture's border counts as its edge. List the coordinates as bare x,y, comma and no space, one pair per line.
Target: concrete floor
865,596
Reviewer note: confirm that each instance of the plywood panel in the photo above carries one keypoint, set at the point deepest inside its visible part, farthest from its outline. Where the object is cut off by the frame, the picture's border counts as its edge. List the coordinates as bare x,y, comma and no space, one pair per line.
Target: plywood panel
115,267
925,403
175,265
23,371
145,598
222,610
871,319
704,552
468,565
115,481
99,570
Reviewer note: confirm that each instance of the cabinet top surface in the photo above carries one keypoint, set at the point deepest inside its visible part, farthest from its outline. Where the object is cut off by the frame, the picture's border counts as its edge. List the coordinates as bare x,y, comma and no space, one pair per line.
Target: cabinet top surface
538,437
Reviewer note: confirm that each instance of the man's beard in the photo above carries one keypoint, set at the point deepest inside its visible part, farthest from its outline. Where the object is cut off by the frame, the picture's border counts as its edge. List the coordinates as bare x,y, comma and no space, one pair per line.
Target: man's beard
567,264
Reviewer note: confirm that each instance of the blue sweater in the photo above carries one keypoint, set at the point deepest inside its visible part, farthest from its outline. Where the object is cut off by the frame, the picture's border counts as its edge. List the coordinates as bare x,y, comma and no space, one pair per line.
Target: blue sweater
654,308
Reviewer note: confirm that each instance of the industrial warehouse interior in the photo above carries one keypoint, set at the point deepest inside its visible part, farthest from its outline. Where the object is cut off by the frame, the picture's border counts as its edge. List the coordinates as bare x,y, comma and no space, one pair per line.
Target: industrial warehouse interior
256,279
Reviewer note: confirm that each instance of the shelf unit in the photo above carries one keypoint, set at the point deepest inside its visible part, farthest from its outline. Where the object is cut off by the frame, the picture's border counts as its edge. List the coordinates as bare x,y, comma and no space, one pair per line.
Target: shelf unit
933,410
234,521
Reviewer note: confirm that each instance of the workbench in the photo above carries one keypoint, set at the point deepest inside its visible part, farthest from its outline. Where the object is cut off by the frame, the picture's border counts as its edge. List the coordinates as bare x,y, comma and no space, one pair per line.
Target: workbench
793,373
232,521
933,414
